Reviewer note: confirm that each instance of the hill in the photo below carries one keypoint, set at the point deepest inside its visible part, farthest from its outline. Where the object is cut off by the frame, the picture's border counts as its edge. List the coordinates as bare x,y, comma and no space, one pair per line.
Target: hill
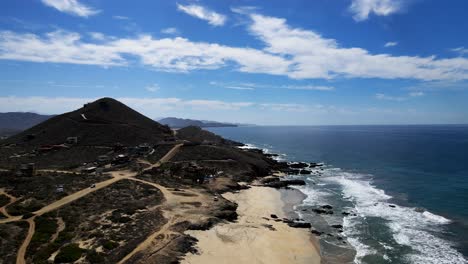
100,123
197,135
175,122
17,121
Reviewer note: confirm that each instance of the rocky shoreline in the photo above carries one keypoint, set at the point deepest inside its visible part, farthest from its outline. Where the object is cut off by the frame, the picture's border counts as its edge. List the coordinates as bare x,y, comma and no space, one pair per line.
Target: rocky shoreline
282,181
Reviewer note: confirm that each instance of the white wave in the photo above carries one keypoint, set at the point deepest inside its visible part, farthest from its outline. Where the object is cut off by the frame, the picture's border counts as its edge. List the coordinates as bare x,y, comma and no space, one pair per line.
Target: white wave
352,233
314,197
436,218
248,146
409,227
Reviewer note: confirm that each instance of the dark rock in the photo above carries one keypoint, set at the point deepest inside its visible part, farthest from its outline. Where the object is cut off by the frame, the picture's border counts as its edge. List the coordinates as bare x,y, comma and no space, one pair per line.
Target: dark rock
314,165
269,179
327,207
315,232
285,183
269,227
300,225
345,213
299,165
392,205
337,226
205,225
304,172
227,215
322,211
273,216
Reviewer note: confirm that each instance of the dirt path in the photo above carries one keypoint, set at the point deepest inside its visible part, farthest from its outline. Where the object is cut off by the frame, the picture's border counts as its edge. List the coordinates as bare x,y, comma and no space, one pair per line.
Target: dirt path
60,228
150,240
116,176
22,250
3,208
171,153
171,201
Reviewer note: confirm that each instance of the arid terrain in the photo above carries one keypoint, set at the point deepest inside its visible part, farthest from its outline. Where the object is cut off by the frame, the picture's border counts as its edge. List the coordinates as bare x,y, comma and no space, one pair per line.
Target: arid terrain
128,202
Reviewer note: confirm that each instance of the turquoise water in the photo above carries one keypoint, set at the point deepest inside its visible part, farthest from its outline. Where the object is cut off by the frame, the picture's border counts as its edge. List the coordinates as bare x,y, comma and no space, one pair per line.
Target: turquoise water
407,185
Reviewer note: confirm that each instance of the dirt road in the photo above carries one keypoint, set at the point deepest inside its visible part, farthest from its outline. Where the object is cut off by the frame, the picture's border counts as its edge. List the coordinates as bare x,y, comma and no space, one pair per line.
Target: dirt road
116,176
22,250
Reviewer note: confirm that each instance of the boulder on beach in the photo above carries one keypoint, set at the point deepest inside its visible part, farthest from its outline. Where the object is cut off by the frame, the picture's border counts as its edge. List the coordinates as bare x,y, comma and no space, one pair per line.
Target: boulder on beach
300,224
298,165
284,183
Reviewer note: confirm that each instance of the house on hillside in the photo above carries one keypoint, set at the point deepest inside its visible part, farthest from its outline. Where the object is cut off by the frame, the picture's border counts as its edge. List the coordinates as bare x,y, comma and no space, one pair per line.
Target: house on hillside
72,140
121,159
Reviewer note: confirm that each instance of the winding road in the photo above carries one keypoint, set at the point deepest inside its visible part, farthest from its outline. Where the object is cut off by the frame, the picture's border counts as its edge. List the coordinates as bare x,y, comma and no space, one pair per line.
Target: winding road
116,176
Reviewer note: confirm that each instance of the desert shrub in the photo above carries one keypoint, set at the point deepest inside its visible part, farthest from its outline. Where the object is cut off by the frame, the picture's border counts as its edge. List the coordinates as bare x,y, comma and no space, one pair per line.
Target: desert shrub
45,228
4,200
95,257
109,244
69,253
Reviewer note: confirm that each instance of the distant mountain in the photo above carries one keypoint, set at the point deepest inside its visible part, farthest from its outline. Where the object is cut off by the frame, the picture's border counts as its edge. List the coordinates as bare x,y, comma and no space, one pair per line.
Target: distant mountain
174,122
103,122
17,121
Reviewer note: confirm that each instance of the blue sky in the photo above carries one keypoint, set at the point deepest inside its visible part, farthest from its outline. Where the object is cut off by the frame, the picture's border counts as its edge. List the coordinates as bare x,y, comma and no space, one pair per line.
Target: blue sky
263,62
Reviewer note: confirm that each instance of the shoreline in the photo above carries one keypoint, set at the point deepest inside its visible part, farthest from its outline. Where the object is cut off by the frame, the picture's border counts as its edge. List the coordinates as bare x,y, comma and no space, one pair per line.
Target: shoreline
256,237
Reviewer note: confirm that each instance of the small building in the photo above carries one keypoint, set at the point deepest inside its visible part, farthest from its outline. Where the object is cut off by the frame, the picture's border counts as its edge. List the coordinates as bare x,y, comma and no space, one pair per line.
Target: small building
143,148
72,140
121,159
103,159
59,188
89,170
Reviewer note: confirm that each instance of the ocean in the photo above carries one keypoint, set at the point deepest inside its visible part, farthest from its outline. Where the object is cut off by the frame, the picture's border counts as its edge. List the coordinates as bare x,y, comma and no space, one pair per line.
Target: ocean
404,189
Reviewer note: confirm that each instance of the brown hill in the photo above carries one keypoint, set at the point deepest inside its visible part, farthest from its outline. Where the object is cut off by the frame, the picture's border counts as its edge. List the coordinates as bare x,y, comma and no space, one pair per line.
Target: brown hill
100,123
198,135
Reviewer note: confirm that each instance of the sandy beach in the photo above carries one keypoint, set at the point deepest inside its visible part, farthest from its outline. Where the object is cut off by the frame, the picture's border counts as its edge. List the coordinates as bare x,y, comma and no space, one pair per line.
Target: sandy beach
254,238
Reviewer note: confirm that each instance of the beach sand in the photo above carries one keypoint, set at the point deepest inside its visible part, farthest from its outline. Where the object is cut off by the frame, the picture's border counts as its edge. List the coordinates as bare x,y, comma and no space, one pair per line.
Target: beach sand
254,239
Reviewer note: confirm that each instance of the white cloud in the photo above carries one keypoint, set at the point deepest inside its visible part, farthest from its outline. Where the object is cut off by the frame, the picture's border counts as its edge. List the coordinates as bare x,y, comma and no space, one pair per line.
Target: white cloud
120,17
170,31
167,54
416,94
253,86
382,96
56,105
292,52
239,88
72,7
309,87
285,107
97,35
313,56
461,50
152,88
203,13
390,44
361,9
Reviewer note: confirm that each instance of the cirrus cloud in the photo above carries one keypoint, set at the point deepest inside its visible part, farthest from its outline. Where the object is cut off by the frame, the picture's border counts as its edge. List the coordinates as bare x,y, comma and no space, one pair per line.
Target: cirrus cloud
72,7
203,13
293,52
361,9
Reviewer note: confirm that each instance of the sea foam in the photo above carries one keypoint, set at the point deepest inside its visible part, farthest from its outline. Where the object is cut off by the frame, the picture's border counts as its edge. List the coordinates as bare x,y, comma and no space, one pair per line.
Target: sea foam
410,227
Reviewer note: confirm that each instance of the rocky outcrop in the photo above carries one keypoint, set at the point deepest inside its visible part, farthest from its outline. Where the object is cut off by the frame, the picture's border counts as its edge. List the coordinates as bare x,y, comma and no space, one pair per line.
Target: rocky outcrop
284,183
